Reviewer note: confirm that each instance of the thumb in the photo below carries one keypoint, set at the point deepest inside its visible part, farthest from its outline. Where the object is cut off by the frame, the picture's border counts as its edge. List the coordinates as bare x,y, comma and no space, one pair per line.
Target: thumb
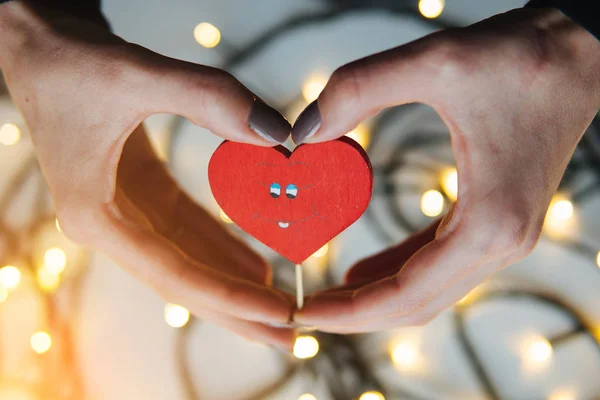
214,99
364,87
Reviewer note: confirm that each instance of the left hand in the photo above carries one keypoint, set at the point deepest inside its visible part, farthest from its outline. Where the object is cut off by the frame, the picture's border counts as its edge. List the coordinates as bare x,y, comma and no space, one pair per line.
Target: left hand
517,92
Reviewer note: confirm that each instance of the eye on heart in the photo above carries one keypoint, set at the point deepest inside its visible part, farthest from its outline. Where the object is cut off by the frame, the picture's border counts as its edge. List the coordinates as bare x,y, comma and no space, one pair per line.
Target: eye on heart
292,202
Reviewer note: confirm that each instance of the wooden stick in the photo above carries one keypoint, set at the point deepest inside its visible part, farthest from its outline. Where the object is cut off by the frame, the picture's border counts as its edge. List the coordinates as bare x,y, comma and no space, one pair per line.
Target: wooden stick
299,287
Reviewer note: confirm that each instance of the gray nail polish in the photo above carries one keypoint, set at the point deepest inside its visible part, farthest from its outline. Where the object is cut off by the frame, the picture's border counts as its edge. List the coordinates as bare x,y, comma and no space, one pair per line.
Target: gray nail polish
269,124
307,124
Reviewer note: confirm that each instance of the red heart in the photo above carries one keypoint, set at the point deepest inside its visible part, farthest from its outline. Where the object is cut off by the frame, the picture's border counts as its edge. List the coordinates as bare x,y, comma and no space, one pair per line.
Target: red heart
293,202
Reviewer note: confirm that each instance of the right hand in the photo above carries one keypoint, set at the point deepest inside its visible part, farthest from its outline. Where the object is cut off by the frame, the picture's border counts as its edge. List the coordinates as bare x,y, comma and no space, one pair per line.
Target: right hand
83,92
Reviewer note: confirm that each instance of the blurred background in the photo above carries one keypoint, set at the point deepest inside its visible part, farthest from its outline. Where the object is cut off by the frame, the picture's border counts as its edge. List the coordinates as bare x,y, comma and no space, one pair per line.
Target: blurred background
73,325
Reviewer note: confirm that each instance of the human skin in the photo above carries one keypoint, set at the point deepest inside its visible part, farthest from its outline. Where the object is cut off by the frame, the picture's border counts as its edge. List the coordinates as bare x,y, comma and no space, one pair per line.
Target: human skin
516,91
84,94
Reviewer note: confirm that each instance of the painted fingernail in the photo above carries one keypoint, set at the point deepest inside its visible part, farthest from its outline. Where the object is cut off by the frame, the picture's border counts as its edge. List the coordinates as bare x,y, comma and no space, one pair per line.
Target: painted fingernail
307,124
280,325
268,123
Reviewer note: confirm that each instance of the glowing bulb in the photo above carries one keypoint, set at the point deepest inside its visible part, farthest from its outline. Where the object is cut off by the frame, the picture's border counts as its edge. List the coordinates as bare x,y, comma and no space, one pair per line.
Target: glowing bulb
432,203
450,183
307,396
12,393
207,35
431,8
3,294
306,347
598,259
10,277
371,395
322,252
225,218
41,342
9,134
58,228
176,316
404,354
47,281
55,260
539,351
313,87
560,210
361,135
562,394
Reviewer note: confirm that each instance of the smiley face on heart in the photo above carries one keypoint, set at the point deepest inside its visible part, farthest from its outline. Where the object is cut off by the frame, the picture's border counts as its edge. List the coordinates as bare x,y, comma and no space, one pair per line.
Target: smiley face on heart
292,202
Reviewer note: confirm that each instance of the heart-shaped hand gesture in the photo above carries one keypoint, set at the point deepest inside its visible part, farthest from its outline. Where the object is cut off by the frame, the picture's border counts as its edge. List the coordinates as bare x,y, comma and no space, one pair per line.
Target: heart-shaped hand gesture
84,93
517,92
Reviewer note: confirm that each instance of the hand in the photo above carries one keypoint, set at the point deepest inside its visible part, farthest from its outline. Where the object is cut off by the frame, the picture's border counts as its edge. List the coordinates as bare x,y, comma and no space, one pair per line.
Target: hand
517,92
83,92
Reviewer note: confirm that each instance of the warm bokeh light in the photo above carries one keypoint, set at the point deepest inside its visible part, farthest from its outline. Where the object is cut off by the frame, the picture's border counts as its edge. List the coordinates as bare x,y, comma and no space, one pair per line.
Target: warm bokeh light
538,352
432,203
41,342
561,210
176,316
3,294
431,8
306,347
10,277
9,134
449,181
224,217
372,395
404,354
563,394
322,252
559,218
207,35
47,281
55,261
313,87
58,228
598,259
361,135
15,393
307,396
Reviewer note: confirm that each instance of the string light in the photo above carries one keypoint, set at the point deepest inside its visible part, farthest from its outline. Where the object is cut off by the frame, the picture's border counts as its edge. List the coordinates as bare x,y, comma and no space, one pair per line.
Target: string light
432,203
207,35
58,228
47,281
598,259
9,134
41,342
313,87
560,210
322,252
307,396
10,277
372,395
176,316
538,352
449,182
3,294
306,347
563,394
360,134
55,261
558,218
404,354
431,8
224,217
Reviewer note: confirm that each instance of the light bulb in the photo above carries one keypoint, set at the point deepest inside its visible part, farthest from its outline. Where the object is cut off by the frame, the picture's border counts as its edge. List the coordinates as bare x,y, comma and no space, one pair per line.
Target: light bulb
41,342
9,134
432,203
598,259
47,281
176,316
563,394
538,352
55,261
313,87
207,35
322,252
306,347
561,210
10,277
307,396
404,354
372,395
431,8
449,182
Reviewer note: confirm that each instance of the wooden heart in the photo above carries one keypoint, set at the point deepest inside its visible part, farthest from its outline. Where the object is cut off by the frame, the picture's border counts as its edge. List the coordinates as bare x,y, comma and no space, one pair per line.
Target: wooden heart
293,202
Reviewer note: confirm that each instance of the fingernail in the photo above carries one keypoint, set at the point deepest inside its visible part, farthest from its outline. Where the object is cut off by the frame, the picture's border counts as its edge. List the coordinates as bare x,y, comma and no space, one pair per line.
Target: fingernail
307,124
301,327
280,325
268,123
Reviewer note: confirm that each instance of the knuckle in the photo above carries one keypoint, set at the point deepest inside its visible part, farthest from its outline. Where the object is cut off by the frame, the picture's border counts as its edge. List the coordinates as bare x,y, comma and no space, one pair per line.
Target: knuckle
346,82
79,223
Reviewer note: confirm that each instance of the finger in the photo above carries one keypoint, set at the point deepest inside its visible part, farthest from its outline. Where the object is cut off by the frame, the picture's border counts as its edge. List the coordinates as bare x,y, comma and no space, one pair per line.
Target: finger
213,99
381,325
280,338
364,87
158,262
